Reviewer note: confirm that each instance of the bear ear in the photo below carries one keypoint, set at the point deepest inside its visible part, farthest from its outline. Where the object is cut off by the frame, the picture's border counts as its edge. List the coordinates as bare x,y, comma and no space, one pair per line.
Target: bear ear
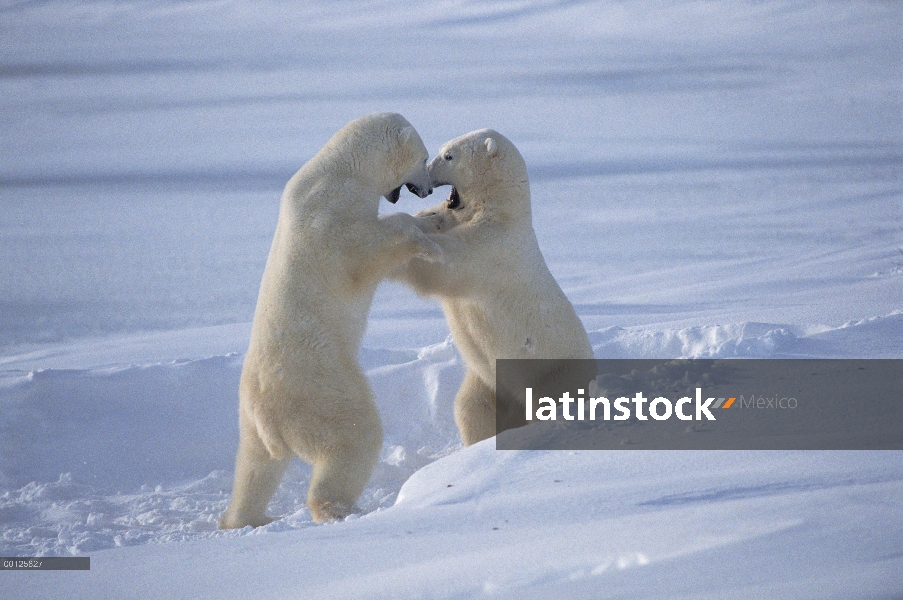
491,147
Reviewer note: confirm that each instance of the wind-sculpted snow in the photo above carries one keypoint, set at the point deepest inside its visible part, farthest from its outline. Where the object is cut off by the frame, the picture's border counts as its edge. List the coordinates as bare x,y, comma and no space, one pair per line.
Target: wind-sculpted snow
139,454
877,337
143,454
578,524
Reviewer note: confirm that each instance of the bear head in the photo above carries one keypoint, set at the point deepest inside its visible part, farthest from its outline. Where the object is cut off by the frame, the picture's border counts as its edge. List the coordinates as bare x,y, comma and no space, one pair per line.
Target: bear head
385,150
487,173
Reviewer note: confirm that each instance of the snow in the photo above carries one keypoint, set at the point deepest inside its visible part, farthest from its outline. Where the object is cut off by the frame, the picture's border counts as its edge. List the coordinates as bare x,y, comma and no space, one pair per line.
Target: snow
710,179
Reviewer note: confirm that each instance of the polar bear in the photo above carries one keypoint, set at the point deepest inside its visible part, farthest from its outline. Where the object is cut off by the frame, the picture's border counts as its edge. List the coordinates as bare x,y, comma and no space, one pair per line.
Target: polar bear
498,296
302,391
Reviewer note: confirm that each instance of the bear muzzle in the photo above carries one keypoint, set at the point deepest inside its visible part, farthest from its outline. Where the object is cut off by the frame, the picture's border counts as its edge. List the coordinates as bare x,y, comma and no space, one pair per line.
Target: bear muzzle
436,178
394,195
418,190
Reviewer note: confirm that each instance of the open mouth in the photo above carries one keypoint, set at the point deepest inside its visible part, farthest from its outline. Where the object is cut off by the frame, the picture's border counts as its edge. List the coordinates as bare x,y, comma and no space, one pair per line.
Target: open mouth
454,200
418,191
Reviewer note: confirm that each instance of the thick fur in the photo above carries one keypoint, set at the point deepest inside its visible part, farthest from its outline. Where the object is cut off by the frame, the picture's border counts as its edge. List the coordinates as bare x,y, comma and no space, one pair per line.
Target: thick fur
302,391
499,298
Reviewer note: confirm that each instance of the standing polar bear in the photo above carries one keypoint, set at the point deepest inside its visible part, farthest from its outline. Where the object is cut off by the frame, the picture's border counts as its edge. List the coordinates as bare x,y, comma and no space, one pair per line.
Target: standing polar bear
498,296
302,391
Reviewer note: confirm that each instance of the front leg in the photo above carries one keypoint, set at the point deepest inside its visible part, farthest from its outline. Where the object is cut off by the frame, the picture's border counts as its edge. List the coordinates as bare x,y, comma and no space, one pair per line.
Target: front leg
408,239
463,265
378,248
433,222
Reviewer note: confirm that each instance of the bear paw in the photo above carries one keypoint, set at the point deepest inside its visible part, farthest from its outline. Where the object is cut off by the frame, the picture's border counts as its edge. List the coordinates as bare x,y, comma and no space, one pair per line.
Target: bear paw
328,512
429,251
228,521
430,222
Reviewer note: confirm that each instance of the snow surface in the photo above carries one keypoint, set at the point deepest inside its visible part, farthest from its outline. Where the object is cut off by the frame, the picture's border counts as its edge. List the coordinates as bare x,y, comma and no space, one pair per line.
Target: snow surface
710,179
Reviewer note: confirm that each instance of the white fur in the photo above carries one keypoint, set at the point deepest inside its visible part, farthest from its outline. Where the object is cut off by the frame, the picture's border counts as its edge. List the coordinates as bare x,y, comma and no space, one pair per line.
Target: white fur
499,298
302,391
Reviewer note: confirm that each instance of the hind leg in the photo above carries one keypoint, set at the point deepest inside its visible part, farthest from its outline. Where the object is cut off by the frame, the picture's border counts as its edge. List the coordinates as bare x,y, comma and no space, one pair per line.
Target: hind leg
349,439
257,475
339,477
475,410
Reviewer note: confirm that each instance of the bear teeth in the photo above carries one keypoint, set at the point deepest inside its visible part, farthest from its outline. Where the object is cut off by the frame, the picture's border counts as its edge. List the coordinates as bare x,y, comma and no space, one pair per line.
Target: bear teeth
454,200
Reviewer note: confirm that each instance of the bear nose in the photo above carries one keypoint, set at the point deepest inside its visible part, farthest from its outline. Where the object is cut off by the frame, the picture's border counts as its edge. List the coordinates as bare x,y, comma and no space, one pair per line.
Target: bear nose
431,169
419,191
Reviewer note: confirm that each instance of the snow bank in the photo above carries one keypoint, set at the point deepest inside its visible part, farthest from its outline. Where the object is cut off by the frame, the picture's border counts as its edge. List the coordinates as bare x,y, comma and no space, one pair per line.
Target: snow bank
132,454
550,524
876,337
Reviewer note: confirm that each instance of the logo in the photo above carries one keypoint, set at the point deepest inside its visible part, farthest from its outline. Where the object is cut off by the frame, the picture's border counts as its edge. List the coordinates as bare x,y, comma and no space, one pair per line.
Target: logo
660,408
699,404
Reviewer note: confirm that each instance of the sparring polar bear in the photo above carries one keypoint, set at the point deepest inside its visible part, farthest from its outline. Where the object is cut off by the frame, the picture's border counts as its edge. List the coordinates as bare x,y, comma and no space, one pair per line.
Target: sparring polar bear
498,296
302,391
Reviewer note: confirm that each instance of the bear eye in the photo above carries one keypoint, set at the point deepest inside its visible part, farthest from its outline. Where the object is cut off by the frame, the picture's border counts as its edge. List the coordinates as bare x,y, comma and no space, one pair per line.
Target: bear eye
447,156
